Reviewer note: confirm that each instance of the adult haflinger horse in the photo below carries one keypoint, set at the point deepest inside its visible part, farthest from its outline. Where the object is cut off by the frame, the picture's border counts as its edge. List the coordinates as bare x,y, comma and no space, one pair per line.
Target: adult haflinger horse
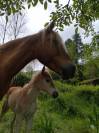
22,100
46,46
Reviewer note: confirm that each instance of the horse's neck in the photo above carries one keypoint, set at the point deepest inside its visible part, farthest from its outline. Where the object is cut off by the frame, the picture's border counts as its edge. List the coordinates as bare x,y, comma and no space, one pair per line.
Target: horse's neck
17,53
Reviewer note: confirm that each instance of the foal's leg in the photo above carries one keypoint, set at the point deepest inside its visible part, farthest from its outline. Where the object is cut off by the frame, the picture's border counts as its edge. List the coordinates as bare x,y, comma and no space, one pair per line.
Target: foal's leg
12,123
28,126
18,122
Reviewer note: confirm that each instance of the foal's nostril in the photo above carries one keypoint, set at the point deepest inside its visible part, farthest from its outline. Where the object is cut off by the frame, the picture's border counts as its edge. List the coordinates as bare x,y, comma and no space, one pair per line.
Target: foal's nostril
55,94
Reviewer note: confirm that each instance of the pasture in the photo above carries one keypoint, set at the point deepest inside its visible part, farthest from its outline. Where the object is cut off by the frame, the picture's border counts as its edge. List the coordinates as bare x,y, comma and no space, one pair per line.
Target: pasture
76,110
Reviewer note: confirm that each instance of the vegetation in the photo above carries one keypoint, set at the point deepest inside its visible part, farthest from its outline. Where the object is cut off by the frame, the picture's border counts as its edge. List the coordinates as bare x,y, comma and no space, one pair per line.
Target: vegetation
76,110
85,56
21,78
80,11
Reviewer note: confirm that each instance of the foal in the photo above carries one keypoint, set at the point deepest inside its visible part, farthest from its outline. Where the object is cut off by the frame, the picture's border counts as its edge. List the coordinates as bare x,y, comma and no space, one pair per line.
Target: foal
23,100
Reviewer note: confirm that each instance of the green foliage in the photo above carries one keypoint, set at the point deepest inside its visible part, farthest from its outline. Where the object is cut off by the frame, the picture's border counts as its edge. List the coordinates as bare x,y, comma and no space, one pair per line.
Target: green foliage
86,94
45,5
87,51
95,46
94,119
58,105
8,7
87,54
21,79
91,68
83,12
71,47
75,49
91,57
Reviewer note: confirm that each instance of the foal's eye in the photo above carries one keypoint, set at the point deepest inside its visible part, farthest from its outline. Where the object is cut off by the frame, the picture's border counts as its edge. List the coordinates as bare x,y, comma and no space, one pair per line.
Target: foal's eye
47,80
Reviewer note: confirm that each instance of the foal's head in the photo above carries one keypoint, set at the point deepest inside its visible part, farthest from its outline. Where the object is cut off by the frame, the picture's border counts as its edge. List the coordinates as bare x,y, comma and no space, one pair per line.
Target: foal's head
44,82
54,53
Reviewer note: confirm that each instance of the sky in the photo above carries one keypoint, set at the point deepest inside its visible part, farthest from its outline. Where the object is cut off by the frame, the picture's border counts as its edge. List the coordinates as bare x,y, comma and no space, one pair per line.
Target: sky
37,17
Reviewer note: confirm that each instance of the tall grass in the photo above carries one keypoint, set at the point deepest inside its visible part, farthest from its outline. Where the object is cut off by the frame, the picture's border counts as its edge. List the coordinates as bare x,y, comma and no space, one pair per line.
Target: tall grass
44,124
76,110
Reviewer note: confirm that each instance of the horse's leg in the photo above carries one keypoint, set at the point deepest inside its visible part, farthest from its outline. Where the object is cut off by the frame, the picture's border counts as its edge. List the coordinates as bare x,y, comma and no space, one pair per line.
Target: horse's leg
12,123
28,126
18,122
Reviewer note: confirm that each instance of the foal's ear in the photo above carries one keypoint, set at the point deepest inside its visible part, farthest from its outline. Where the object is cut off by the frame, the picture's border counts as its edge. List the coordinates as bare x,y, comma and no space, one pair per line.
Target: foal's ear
50,27
43,69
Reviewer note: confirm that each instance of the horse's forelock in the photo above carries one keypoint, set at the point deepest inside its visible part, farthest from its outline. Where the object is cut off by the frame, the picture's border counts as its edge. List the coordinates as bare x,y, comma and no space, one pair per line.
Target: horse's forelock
43,37
60,45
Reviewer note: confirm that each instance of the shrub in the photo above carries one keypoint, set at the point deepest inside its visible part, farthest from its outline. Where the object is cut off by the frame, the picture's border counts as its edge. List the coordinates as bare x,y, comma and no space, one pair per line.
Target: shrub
20,79
88,93
97,96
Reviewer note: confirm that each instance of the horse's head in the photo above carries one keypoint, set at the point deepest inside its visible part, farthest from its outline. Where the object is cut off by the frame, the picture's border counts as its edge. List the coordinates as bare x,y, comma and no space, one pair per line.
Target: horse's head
44,82
54,54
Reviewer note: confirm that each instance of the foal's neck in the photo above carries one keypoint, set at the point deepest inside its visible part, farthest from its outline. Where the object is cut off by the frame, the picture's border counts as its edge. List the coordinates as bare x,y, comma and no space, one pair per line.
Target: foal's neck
32,91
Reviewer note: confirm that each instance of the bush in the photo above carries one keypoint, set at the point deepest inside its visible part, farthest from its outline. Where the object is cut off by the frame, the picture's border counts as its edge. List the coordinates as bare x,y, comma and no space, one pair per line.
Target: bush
97,96
20,79
88,93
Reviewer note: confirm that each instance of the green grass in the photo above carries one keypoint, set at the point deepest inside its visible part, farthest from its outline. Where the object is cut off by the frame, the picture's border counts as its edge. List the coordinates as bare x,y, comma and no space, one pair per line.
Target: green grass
76,110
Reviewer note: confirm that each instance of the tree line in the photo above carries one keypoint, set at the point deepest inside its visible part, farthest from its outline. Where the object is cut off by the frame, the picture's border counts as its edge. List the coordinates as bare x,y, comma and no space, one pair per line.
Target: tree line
85,56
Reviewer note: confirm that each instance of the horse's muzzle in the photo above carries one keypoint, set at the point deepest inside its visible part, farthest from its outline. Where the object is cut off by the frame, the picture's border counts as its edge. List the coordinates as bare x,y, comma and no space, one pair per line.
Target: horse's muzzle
68,71
55,94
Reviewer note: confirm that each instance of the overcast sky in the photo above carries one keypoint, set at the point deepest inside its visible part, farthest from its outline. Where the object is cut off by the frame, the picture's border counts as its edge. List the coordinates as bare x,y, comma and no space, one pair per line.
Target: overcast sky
37,17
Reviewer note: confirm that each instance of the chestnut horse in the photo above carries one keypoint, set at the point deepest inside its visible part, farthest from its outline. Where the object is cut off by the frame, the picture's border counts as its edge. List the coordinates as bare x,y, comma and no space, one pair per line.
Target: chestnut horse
46,46
23,100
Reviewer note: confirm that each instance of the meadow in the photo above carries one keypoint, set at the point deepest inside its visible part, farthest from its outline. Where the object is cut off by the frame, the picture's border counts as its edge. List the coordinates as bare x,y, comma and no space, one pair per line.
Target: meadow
76,110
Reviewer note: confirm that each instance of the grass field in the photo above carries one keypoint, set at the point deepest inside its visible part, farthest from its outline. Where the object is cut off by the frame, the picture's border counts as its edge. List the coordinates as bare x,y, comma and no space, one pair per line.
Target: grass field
76,110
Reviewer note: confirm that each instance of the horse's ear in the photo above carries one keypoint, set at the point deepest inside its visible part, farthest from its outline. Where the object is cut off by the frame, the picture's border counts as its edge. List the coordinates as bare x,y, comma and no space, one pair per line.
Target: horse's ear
50,27
43,69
